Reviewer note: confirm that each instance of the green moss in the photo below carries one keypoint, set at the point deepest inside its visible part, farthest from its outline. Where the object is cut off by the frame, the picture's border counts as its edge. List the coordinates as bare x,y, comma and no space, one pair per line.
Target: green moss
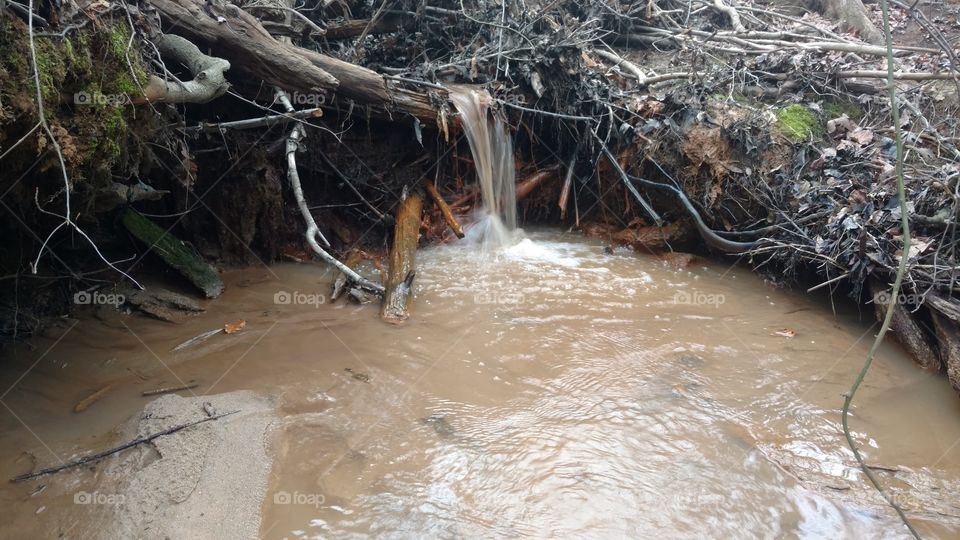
14,55
119,38
52,70
797,123
114,131
836,108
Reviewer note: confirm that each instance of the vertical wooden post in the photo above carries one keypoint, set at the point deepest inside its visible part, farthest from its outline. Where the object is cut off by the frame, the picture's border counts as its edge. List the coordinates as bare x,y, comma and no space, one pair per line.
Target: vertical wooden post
406,233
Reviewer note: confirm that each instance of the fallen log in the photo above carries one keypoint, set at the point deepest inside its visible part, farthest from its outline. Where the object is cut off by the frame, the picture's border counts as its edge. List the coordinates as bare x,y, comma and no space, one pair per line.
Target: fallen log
399,286
949,341
905,327
237,36
174,252
444,209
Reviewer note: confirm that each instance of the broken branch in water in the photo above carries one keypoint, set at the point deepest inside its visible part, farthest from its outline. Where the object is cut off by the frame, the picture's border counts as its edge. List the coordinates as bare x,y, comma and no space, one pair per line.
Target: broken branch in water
399,284
100,455
313,231
170,389
444,209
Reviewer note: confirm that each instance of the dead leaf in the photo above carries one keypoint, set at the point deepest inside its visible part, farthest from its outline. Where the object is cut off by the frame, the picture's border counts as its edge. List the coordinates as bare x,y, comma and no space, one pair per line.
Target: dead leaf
861,136
234,327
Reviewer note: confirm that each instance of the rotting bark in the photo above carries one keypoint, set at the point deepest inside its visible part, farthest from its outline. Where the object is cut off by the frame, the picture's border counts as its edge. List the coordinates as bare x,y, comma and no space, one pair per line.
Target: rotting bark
399,285
906,328
949,341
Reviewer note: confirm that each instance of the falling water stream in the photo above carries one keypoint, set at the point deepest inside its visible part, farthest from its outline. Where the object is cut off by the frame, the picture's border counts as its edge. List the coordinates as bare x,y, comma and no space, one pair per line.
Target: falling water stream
492,150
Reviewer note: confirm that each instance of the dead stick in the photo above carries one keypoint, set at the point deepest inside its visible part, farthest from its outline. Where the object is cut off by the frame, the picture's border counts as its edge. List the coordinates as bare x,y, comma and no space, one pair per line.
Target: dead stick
527,186
100,455
567,185
95,397
444,209
169,389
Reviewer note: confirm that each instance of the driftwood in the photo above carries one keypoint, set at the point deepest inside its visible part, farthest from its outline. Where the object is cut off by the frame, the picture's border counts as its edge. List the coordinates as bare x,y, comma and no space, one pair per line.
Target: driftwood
170,389
399,286
444,208
85,403
340,284
100,455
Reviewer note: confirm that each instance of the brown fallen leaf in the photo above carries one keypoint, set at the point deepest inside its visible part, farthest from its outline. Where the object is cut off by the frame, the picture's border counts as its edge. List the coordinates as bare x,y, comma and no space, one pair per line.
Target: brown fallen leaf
786,332
235,326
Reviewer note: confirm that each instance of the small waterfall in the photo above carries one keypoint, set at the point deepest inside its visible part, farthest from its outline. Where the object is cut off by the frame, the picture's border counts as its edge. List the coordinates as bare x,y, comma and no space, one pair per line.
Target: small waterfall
492,151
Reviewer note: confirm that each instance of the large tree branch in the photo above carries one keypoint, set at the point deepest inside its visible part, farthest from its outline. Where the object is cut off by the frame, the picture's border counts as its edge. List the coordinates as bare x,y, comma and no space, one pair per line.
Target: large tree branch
242,40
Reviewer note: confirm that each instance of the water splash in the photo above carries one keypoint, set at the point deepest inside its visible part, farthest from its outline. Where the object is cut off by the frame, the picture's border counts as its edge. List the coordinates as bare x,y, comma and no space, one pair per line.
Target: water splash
492,151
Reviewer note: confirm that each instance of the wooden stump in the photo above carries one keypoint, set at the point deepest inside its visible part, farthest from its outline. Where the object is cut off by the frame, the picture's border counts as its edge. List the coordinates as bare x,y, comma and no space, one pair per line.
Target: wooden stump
399,285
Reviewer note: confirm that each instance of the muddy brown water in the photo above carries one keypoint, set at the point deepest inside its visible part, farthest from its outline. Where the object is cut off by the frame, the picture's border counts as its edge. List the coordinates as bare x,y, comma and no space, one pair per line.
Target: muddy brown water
552,390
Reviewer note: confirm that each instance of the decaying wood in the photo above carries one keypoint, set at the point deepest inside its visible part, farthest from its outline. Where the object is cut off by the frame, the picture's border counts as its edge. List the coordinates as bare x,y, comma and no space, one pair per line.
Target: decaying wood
527,185
444,208
208,82
100,455
906,328
352,259
949,340
399,285
174,252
